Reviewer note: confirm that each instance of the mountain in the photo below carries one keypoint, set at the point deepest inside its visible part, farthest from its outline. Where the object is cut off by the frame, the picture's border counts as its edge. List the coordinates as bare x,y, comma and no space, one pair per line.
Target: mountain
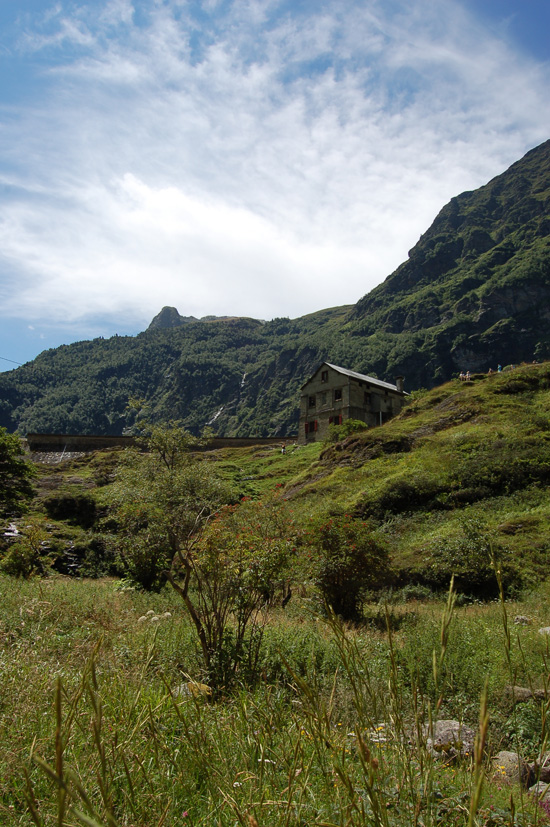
475,289
169,317
474,292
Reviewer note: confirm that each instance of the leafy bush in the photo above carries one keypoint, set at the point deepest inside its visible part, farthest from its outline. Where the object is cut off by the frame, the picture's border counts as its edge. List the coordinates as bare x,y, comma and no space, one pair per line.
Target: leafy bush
161,501
77,509
347,560
24,555
404,493
229,579
336,433
469,558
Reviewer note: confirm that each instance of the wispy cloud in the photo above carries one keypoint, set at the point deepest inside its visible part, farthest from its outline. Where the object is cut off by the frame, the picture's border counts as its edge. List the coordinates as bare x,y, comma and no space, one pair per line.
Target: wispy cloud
256,157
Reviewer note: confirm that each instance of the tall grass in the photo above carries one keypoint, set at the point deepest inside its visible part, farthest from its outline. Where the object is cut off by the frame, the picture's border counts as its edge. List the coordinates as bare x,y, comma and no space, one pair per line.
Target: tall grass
96,729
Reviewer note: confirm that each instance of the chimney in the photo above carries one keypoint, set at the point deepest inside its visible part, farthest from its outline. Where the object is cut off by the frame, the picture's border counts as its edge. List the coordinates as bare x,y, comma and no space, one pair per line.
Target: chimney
399,383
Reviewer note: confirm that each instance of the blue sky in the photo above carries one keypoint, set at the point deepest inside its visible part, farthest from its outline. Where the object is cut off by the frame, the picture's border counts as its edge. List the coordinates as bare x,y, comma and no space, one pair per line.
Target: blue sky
242,157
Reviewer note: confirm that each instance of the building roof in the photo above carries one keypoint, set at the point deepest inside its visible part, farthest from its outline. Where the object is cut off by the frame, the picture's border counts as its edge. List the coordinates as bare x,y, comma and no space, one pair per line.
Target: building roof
360,376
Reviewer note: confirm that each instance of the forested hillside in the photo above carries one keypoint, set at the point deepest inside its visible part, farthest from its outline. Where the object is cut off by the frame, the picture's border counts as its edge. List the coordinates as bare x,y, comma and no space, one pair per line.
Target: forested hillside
474,292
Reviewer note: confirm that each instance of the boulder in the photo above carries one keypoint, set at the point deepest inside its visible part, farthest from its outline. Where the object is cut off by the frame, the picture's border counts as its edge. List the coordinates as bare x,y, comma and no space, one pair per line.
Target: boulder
542,790
509,766
541,768
520,694
449,740
193,689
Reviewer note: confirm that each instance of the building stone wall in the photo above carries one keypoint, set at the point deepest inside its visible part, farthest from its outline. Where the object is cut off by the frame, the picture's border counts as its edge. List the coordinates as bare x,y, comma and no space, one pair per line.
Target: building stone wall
334,394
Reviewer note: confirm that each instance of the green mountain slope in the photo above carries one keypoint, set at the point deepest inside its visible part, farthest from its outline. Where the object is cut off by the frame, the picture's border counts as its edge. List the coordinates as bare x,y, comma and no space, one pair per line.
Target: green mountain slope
474,292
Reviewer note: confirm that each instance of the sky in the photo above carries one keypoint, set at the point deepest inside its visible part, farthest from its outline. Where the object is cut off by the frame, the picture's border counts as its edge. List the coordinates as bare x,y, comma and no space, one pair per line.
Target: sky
258,158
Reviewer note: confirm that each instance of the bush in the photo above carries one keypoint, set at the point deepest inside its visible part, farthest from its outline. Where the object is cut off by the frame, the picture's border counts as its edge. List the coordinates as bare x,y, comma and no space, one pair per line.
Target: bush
347,561
16,475
23,557
77,509
405,493
336,433
469,558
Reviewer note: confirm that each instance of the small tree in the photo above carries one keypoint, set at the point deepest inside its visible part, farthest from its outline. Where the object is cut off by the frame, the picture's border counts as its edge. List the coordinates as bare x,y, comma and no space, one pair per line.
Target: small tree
229,580
16,474
347,561
225,561
161,499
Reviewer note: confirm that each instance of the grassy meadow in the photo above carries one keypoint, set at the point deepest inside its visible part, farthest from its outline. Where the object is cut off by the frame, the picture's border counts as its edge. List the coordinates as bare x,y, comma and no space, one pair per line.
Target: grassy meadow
105,719
96,728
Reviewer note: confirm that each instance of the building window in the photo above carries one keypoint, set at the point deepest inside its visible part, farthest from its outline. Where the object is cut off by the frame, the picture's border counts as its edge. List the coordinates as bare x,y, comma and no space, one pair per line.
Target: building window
311,401
324,376
338,395
366,398
335,420
311,427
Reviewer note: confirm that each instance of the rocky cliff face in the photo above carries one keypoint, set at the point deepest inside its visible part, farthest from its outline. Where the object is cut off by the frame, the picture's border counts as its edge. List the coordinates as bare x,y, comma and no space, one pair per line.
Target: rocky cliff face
169,317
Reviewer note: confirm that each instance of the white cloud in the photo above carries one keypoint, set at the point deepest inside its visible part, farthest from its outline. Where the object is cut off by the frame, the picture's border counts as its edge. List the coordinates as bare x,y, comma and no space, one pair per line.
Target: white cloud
259,163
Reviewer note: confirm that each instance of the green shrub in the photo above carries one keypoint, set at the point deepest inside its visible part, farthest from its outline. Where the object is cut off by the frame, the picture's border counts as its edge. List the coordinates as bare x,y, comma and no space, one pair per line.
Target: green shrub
347,560
405,493
77,509
336,433
468,557
24,555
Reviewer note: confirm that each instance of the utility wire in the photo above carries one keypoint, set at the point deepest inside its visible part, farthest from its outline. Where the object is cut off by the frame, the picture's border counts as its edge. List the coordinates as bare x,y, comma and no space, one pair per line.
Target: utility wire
11,360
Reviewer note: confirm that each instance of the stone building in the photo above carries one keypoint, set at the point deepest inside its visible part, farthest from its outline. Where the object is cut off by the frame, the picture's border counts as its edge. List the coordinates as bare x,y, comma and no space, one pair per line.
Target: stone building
334,394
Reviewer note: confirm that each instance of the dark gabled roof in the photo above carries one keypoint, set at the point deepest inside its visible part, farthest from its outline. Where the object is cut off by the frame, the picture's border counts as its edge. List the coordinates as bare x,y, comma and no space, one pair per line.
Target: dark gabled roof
360,376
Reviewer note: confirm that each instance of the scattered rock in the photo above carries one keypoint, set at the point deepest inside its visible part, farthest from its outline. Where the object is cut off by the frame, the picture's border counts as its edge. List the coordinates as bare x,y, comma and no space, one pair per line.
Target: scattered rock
522,620
194,689
153,617
542,790
542,770
545,630
520,694
511,767
450,740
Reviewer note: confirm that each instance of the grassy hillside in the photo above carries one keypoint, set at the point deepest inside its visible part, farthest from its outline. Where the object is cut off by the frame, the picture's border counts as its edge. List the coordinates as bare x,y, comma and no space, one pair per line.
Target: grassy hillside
464,453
